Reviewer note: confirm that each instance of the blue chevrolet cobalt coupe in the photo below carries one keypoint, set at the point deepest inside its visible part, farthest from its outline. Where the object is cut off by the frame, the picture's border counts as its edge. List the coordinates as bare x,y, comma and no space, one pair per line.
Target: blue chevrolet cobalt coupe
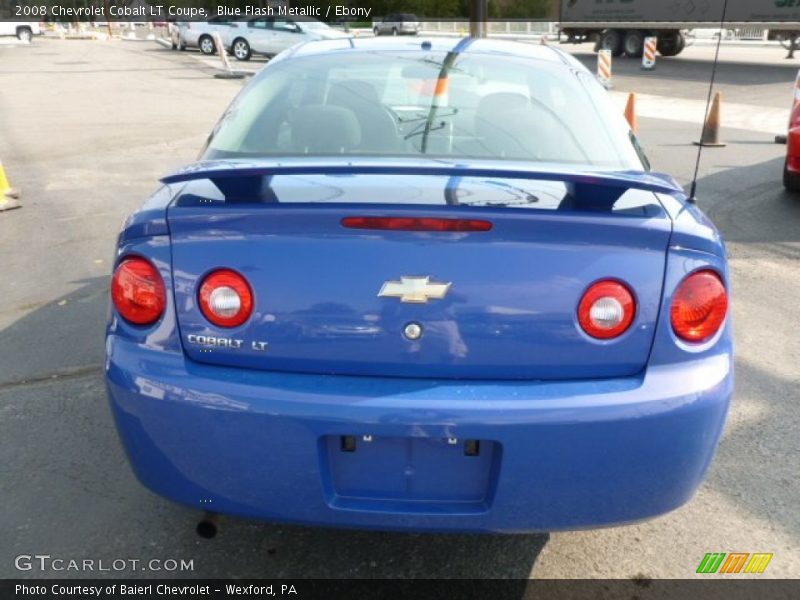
421,285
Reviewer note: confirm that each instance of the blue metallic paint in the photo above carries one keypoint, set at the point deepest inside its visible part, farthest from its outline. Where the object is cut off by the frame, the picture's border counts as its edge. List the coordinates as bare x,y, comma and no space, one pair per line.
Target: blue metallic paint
518,321
574,454
559,454
240,168
569,454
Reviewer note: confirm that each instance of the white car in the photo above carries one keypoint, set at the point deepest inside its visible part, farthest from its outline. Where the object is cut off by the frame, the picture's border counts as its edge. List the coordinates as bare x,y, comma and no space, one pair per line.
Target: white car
271,35
199,34
24,30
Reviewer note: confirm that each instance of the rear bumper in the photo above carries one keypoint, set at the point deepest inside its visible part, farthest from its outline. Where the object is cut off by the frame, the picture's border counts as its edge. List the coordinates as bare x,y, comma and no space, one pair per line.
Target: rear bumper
558,455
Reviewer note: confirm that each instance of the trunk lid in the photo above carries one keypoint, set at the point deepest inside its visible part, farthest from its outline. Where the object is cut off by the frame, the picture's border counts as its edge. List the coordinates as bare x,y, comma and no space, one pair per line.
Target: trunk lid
508,313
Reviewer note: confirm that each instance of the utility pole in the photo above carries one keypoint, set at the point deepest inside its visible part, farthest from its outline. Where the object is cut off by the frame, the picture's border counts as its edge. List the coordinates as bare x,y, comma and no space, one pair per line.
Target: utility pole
108,17
478,13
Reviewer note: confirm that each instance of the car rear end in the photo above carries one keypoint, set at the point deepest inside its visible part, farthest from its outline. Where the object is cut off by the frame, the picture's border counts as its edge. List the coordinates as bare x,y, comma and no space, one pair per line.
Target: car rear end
408,24
410,342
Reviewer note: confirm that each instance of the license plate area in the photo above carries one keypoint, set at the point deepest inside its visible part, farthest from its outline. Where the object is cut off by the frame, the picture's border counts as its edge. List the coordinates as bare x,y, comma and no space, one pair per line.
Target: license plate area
409,474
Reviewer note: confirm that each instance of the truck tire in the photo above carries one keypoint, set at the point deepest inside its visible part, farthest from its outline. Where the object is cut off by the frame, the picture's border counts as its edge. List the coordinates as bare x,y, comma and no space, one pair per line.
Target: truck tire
611,39
671,44
634,43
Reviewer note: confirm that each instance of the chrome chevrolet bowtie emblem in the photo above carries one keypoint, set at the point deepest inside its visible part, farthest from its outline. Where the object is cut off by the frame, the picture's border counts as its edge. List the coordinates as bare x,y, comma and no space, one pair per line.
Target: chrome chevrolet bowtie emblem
414,289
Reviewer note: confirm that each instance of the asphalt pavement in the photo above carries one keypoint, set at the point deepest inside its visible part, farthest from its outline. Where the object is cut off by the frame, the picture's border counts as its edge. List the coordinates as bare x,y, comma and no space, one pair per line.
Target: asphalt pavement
86,130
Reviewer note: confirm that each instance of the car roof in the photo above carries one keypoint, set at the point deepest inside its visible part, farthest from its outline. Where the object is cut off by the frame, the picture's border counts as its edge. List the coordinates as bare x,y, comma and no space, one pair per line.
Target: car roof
435,44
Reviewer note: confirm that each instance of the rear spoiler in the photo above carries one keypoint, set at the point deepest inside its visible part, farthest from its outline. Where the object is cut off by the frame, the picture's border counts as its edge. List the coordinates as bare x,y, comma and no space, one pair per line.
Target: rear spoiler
240,179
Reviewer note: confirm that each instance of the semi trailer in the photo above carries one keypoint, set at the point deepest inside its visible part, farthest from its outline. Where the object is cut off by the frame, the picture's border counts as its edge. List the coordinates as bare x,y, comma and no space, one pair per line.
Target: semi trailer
621,25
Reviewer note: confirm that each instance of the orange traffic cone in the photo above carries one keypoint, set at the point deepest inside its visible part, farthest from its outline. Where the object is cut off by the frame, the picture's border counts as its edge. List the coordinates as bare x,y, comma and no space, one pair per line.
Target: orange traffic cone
710,135
630,112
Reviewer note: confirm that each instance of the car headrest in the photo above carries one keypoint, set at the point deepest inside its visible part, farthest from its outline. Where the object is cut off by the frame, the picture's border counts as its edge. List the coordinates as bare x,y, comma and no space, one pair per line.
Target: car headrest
499,120
324,129
508,135
500,101
492,106
352,94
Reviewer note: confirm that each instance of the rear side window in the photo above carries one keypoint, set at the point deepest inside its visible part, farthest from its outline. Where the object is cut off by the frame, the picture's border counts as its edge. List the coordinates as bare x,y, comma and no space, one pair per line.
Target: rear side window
412,104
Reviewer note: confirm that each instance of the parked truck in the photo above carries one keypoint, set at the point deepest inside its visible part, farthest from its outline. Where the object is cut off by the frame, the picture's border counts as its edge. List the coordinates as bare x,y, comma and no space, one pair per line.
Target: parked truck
621,25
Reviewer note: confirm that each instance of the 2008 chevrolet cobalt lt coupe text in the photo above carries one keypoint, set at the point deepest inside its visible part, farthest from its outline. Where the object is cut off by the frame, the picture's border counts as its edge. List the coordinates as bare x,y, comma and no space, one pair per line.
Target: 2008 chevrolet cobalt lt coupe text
424,286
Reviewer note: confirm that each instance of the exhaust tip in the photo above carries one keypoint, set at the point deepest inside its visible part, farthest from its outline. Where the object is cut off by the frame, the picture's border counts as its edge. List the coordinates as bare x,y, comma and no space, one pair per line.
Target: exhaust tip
207,527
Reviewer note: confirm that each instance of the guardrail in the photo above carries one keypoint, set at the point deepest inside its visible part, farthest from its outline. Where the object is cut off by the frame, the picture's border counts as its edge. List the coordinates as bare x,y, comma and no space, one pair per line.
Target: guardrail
534,28
551,29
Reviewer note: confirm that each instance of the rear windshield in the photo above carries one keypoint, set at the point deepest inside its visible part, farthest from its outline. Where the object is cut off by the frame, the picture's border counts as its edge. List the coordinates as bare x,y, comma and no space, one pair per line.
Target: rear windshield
410,104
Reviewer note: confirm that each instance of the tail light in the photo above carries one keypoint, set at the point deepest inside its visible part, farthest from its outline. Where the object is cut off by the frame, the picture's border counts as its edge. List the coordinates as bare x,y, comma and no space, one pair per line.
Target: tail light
225,298
794,120
137,291
416,224
606,309
699,306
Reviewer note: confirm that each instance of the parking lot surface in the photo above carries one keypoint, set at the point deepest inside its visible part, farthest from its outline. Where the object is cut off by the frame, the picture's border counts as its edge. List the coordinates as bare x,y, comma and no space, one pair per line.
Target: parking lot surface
86,130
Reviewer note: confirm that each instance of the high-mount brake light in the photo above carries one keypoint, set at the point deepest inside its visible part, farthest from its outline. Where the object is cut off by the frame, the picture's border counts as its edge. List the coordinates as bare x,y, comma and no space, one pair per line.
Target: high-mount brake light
416,224
606,310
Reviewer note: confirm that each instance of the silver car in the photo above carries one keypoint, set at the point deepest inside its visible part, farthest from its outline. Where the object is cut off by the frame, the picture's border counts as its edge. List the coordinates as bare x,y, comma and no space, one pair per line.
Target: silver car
271,35
199,34
397,24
